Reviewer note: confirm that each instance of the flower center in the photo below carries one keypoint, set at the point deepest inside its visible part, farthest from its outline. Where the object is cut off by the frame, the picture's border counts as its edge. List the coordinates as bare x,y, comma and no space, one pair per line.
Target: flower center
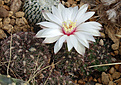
69,27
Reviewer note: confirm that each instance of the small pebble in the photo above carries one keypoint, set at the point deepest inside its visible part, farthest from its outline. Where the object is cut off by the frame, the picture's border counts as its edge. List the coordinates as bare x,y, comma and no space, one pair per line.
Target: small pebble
6,21
101,42
116,75
10,13
1,24
105,78
114,46
2,34
12,21
7,27
3,12
117,66
15,5
112,70
116,52
119,69
110,83
118,80
6,1
98,84
102,34
19,14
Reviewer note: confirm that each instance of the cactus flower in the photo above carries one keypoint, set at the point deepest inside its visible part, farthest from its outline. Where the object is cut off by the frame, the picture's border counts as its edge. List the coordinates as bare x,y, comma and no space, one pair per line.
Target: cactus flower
69,25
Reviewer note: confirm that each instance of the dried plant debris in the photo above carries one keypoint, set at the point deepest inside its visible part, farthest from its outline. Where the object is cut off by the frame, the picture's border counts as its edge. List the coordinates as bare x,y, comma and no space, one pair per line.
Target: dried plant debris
56,78
110,10
98,53
33,9
27,53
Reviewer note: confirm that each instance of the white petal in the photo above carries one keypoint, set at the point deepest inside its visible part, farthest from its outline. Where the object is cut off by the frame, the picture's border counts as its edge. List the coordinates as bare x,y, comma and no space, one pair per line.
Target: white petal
78,46
39,33
82,39
62,39
51,39
49,24
74,13
53,18
69,44
84,17
60,7
83,7
73,40
81,12
87,28
94,23
51,33
57,47
90,25
80,49
44,14
66,14
56,12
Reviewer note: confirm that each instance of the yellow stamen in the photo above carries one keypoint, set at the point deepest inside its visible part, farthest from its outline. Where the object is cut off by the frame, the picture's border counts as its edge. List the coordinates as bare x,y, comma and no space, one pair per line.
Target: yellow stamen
69,26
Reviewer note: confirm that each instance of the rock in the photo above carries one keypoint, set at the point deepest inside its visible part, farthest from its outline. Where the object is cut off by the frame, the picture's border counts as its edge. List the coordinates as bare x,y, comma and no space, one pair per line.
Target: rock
12,21
67,4
120,50
6,21
1,19
113,59
110,77
115,46
6,7
1,2
95,80
6,1
119,69
19,22
3,12
101,42
10,13
102,34
116,52
99,80
118,80
15,5
19,14
110,83
1,24
112,70
7,27
98,84
25,20
119,83
81,82
91,78
16,28
116,75
2,34
117,66
105,78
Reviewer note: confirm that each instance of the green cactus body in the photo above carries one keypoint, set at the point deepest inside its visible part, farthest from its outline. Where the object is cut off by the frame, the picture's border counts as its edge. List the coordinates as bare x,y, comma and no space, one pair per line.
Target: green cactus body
27,52
33,9
4,80
75,63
